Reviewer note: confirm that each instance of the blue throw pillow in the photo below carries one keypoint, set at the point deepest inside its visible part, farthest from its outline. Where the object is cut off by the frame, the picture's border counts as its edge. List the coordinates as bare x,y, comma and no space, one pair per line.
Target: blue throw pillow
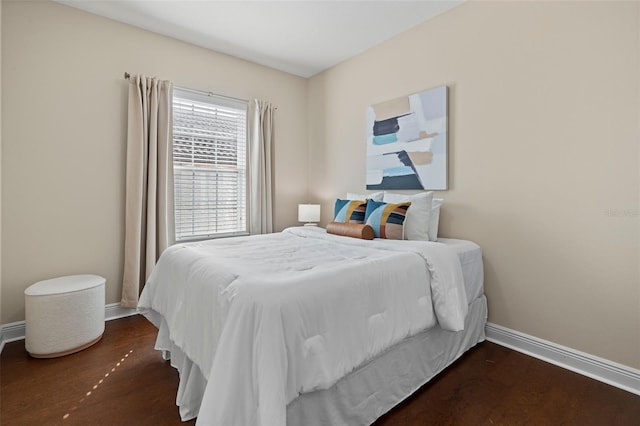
349,211
387,220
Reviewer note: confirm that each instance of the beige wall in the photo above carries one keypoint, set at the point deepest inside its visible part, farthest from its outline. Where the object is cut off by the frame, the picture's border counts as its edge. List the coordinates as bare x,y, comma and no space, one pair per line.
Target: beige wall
544,160
64,137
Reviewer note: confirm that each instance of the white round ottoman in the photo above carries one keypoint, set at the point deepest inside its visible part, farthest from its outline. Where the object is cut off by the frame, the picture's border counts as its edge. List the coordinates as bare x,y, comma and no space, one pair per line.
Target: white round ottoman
64,315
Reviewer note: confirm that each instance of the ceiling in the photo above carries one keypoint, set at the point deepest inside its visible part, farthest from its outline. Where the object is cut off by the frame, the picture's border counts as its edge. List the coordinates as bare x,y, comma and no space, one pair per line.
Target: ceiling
300,37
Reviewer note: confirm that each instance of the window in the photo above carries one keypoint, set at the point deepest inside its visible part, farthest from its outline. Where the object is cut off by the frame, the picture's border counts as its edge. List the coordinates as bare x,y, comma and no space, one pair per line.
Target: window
209,166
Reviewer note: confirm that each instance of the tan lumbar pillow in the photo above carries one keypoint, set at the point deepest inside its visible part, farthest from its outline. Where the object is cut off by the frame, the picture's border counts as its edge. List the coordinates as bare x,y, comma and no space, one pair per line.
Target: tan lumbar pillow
354,230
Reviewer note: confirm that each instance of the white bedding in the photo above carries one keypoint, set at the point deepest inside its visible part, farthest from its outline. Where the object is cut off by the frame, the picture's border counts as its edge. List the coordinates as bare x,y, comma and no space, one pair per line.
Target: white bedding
265,325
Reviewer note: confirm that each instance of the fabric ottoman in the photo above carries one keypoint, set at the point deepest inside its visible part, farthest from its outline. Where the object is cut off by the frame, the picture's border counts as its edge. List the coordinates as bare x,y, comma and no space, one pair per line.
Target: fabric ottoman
64,315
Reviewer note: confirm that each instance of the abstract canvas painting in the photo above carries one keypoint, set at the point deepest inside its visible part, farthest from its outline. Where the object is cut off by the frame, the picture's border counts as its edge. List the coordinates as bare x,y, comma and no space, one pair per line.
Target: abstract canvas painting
407,142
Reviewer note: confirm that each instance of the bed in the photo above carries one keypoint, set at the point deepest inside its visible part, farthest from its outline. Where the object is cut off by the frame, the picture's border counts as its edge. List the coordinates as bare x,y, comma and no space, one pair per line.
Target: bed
307,328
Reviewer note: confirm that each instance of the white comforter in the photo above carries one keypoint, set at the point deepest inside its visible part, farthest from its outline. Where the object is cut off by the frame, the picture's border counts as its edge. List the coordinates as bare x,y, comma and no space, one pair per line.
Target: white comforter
269,317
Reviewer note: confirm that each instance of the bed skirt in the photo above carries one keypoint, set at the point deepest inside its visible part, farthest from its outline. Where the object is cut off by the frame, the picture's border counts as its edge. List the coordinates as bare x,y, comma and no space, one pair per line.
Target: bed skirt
379,385
363,395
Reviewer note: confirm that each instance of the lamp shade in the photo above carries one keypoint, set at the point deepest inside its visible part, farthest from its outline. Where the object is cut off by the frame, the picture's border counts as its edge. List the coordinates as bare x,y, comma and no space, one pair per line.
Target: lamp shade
309,212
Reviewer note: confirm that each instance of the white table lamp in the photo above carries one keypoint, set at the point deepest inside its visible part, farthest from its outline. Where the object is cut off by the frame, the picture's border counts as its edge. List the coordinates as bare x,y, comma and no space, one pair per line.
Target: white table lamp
309,213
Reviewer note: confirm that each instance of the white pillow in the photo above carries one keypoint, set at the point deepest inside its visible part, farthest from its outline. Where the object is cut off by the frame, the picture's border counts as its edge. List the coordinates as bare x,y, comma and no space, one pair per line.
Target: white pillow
418,218
434,219
375,196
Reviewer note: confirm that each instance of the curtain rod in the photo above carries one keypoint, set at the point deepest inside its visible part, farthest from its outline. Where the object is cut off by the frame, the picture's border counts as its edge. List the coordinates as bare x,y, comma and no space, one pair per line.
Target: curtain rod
127,76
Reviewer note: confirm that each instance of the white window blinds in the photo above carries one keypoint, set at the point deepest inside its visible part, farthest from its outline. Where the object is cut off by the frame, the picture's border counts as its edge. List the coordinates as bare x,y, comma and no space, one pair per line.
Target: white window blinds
209,166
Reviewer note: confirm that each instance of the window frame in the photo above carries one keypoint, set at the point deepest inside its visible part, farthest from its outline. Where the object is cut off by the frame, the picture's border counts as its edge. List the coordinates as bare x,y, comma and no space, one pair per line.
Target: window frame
216,103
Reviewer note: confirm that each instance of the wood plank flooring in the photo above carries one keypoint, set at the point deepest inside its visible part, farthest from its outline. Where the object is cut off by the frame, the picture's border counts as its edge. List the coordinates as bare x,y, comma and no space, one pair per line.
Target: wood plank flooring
122,380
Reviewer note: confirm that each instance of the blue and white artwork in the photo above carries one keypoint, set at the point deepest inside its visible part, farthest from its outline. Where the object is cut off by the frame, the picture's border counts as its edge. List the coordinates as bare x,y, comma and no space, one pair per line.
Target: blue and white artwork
407,142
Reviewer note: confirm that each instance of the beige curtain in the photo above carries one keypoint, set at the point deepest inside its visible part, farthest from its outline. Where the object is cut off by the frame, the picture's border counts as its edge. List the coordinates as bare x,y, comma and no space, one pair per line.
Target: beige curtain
149,182
260,135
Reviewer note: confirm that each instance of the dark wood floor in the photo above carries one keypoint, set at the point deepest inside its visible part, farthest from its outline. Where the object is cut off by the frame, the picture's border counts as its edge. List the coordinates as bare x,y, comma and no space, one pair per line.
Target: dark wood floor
122,380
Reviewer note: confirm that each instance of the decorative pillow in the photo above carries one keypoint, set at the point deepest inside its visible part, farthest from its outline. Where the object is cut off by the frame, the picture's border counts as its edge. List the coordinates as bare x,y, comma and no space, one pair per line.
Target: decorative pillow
416,226
349,211
354,230
375,196
387,220
434,219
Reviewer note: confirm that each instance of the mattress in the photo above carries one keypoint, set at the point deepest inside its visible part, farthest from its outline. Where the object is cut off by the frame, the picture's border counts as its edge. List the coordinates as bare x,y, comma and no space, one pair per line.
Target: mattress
193,383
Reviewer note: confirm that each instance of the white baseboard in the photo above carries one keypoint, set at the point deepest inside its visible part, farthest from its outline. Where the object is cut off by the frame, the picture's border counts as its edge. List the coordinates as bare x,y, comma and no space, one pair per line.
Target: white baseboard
15,330
603,370
115,311
12,332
